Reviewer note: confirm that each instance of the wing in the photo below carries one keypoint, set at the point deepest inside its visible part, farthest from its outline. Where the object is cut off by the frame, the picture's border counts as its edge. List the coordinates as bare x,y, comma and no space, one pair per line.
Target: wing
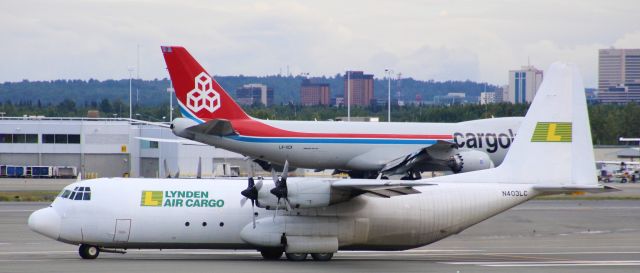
380,188
432,158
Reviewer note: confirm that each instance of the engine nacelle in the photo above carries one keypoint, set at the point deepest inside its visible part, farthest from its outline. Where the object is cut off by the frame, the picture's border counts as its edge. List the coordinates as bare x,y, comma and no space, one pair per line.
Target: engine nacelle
179,127
469,160
303,194
298,234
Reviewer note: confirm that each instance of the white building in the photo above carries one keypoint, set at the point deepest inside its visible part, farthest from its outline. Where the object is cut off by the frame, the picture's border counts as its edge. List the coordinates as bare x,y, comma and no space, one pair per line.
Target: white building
101,147
487,97
523,84
253,93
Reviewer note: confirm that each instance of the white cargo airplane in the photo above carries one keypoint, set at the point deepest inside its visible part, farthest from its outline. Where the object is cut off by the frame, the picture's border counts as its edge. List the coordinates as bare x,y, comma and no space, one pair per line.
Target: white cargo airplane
552,154
362,149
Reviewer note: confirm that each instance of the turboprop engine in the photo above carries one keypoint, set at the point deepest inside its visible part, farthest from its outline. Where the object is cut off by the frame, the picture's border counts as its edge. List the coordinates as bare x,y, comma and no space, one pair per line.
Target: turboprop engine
301,194
469,160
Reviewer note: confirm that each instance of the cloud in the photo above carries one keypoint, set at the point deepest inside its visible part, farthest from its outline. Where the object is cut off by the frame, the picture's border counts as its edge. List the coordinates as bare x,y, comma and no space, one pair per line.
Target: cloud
438,40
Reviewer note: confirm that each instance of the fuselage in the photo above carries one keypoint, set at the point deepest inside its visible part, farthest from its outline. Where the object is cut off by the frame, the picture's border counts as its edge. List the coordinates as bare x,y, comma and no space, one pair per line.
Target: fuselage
359,145
174,213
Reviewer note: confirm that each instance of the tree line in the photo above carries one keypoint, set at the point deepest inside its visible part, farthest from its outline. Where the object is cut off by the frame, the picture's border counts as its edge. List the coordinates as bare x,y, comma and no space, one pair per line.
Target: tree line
608,122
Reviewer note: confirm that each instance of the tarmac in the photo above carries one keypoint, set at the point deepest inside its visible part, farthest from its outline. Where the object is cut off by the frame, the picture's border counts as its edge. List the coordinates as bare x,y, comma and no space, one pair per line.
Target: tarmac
538,236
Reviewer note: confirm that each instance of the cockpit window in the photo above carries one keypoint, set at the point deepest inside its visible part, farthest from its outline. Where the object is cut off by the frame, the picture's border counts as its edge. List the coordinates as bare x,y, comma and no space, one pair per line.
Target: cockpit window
66,193
78,193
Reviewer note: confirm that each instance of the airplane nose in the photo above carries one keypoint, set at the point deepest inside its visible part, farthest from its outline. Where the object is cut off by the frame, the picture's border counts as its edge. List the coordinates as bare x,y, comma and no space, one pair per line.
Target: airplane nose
46,222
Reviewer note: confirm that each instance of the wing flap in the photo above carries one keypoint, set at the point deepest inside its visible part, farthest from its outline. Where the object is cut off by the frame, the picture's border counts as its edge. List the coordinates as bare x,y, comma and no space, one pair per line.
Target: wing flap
417,158
380,188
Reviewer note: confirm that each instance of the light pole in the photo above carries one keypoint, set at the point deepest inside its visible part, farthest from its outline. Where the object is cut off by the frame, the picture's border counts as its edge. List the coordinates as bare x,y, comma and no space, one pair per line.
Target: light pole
348,95
170,90
130,104
388,72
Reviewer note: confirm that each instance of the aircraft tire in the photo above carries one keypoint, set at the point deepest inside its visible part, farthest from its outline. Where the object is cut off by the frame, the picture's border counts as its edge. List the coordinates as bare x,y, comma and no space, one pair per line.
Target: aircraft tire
322,257
296,257
271,254
88,252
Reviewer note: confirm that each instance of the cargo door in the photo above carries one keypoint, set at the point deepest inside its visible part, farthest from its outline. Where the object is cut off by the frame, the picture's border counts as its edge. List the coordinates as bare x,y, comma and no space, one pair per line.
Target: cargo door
123,226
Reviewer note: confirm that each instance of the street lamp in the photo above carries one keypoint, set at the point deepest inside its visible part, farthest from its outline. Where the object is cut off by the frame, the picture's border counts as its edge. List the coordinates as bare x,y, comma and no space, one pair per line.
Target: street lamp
348,95
170,90
388,72
130,104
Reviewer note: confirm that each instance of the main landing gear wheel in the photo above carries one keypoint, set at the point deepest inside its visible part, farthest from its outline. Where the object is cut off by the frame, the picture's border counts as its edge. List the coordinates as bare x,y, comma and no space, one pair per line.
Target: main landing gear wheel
88,251
271,254
322,257
296,257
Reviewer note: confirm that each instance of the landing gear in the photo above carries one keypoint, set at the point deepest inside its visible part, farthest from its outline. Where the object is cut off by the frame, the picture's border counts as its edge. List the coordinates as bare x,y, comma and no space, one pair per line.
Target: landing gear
88,252
271,254
412,175
296,257
322,257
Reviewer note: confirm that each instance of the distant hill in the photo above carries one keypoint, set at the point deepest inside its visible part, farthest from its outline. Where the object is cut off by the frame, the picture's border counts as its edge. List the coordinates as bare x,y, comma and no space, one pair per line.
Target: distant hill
153,92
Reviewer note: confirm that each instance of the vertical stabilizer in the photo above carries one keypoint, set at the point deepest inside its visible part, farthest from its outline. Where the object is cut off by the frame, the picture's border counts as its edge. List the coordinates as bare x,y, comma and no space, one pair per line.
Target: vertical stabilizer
200,97
553,144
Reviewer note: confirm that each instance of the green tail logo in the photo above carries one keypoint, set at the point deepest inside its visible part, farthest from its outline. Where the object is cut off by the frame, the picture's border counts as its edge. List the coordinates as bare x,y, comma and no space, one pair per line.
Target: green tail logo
552,132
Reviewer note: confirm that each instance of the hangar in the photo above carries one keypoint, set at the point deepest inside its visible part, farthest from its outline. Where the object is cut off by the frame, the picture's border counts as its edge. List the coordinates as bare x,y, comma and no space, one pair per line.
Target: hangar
106,147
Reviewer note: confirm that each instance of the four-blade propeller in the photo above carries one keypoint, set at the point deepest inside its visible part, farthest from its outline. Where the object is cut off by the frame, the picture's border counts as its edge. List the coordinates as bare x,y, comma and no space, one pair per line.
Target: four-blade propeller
280,190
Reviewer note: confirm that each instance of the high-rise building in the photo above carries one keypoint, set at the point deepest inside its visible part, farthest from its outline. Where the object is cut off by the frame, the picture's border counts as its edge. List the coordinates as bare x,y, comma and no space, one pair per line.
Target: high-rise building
250,94
312,93
618,75
523,84
502,94
361,86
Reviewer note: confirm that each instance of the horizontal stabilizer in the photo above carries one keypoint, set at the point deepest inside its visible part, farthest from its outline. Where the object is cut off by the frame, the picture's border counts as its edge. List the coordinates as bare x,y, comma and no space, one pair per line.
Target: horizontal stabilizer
171,140
576,188
216,127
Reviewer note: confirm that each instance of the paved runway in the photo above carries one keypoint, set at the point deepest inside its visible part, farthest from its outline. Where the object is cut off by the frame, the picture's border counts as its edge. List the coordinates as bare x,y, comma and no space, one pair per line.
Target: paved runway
539,236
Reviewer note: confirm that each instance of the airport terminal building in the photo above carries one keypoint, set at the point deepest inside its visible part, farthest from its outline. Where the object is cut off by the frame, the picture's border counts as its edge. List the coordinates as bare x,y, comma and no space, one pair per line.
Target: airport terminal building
105,147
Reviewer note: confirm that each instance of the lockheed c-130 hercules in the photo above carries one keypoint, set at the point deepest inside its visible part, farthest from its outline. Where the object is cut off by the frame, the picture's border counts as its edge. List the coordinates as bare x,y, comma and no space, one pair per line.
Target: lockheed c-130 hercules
299,216
360,149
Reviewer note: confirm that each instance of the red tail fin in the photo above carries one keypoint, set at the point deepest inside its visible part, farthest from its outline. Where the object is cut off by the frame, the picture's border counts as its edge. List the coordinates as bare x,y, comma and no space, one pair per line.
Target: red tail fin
200,97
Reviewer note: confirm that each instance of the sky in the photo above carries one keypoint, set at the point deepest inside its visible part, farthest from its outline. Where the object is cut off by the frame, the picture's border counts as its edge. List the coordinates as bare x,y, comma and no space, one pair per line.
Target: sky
425,40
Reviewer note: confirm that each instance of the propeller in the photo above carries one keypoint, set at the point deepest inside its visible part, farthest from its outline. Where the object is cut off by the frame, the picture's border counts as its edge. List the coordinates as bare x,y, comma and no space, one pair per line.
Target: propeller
281,191
251,193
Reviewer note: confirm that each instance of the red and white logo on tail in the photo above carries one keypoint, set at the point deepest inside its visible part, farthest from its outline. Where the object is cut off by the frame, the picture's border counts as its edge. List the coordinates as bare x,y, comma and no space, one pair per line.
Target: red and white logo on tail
203,96
200,97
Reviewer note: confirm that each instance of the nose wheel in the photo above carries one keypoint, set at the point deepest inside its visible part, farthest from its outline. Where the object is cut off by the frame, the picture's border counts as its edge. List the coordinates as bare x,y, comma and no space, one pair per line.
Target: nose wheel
88,252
